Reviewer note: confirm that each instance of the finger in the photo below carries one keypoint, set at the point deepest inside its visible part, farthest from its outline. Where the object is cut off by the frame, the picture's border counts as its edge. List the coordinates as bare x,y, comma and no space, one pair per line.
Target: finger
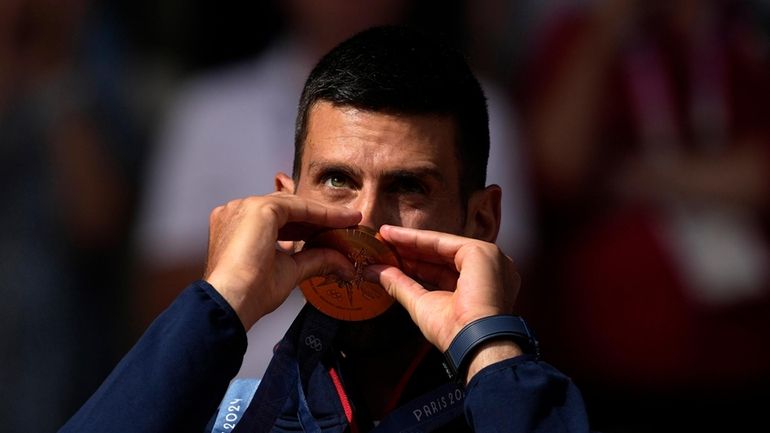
437,275
322,261
412,255
400,286
288,247
423,244
296,231
303,210
437,247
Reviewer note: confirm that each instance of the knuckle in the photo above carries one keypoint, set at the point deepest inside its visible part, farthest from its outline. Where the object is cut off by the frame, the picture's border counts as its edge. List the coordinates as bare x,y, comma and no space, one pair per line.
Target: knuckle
480,248
215,213
254,199
233,204
270,209
274,212
494,252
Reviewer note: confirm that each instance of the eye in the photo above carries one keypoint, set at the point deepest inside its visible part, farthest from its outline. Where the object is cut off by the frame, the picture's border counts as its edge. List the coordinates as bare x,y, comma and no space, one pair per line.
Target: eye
336,181
408,185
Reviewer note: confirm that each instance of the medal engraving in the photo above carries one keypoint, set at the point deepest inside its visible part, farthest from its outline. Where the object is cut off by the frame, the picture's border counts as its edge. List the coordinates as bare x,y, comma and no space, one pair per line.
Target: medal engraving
356,298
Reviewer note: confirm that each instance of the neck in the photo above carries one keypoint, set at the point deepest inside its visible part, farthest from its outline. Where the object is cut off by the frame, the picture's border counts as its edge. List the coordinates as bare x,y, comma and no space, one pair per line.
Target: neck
382,377
380,355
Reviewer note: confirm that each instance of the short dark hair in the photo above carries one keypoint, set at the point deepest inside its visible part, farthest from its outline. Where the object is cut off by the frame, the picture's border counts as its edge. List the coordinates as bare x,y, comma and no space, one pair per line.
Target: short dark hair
401,70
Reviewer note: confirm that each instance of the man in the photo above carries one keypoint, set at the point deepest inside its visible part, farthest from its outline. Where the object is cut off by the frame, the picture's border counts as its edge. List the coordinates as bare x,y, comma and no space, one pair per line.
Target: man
391,134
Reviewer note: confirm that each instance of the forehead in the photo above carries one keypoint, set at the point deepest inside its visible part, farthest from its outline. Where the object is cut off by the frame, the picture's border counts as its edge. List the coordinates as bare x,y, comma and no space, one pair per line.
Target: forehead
377,141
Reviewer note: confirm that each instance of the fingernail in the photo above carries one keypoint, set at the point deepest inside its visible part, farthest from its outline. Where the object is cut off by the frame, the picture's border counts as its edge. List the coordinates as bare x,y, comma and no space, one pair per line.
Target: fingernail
385,228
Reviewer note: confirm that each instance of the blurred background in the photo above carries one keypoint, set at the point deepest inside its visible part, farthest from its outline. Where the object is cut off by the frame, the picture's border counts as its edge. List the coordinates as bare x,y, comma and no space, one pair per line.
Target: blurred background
631,138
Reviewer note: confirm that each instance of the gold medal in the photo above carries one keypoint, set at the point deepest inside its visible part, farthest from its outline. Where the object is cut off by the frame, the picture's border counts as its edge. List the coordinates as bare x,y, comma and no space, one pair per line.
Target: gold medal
355,299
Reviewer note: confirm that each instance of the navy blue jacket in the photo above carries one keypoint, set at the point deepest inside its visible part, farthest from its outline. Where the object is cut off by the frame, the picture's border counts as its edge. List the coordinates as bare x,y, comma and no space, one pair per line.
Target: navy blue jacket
174,378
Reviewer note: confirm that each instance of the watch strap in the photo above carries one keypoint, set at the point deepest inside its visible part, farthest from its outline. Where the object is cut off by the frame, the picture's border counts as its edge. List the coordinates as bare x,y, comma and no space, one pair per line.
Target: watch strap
479,331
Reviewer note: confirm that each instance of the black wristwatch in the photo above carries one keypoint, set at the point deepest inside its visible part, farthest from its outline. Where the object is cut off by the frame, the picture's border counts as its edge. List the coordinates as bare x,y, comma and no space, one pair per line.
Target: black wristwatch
506,326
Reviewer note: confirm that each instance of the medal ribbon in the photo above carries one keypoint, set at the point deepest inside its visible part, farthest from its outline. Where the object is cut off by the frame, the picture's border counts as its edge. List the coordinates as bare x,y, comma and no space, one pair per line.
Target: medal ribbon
309,338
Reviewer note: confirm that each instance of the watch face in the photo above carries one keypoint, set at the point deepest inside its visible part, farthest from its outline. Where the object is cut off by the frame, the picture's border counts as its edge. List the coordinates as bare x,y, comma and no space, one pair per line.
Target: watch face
355,299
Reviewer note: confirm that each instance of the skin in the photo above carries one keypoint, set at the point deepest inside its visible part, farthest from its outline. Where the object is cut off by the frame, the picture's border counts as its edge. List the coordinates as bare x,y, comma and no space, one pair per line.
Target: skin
397,174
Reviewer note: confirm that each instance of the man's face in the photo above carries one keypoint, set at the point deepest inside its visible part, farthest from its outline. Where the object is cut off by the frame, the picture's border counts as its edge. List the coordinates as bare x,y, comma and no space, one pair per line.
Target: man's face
399,170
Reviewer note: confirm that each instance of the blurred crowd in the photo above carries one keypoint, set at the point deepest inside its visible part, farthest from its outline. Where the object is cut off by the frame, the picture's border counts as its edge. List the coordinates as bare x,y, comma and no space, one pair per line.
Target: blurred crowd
631,139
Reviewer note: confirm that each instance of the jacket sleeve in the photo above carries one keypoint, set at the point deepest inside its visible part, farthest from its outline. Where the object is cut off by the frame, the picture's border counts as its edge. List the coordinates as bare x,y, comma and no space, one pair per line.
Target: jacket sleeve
176,374
524,395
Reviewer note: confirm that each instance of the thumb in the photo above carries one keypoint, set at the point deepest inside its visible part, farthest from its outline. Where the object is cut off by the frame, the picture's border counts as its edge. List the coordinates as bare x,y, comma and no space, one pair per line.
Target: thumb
322,261
398,285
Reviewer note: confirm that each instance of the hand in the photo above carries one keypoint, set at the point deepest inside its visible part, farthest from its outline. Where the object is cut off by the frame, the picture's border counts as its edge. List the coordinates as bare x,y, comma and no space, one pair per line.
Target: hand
474,280
245,266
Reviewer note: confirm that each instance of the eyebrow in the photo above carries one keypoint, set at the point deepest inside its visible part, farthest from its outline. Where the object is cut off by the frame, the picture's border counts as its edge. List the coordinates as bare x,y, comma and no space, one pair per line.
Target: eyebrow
416,173
321,166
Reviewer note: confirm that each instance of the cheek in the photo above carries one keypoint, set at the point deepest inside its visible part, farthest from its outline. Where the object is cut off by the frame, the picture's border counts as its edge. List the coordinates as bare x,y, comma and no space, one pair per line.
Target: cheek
439,219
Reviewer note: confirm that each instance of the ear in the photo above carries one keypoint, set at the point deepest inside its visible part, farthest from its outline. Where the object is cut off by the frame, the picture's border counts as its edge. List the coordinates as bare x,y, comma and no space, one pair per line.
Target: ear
482,219
284,183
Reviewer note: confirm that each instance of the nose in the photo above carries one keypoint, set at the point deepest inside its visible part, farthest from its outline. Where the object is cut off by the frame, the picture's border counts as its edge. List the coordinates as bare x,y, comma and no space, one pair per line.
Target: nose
375,209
